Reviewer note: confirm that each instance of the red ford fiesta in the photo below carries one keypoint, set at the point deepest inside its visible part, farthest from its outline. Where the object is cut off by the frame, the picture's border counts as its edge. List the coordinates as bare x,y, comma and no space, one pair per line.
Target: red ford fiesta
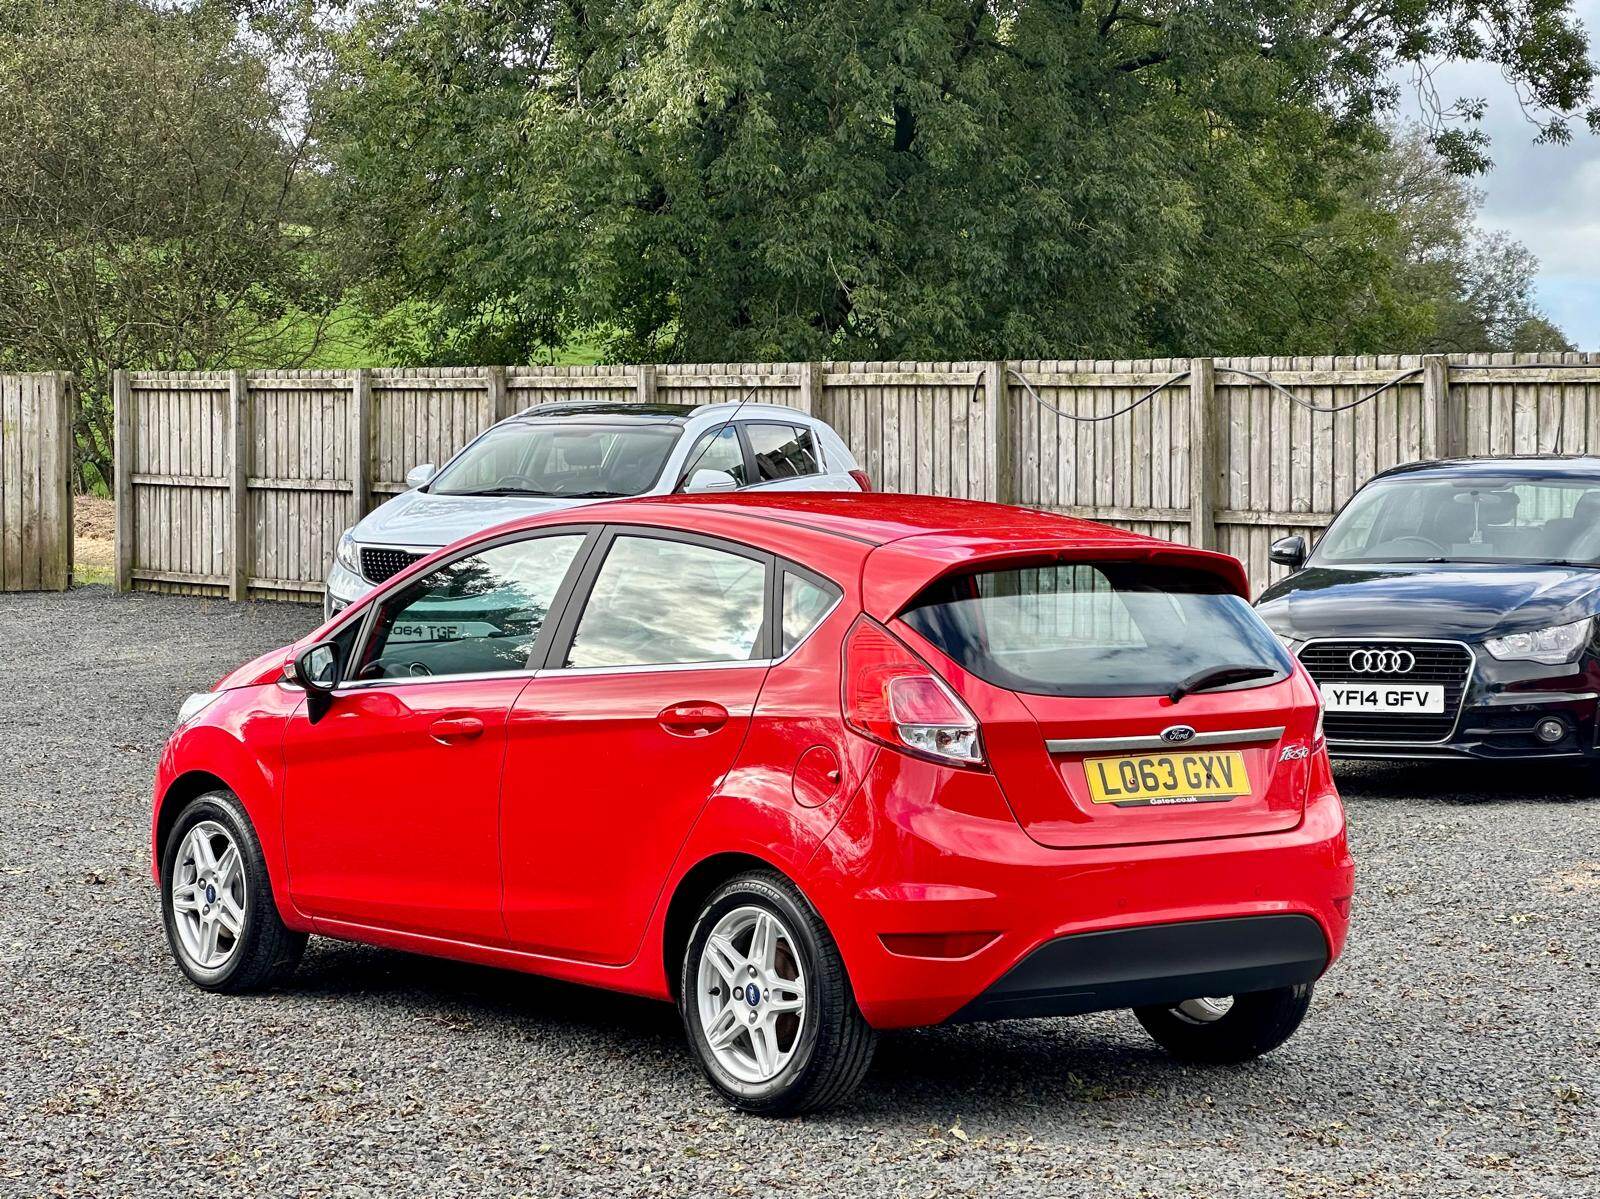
810,766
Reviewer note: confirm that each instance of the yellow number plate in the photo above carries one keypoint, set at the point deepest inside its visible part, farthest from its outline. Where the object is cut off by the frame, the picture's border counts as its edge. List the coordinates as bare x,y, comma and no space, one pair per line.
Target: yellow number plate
1167,778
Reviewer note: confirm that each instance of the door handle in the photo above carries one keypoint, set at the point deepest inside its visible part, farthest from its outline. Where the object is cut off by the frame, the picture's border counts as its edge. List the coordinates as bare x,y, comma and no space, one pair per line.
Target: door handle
695,719
448,730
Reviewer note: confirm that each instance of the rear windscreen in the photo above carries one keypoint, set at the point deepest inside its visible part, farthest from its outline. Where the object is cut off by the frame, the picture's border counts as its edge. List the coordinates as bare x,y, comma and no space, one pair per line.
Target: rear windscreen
1094,628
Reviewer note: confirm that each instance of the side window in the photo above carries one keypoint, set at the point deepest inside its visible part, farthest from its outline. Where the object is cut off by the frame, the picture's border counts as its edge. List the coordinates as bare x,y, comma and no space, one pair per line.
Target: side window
656,602
783,452
717,450
804,605
478,615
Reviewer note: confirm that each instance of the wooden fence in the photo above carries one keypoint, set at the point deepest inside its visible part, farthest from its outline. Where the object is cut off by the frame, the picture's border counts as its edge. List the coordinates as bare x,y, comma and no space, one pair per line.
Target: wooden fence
35,482
239,483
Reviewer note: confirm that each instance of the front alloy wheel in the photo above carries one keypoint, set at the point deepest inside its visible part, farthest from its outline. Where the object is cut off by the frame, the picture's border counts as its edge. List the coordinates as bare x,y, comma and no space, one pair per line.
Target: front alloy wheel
767,1003
209,896
216,900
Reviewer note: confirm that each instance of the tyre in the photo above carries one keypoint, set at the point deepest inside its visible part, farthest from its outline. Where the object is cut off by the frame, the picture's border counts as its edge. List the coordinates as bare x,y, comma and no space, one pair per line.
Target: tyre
216,900
766,1002
1227,1030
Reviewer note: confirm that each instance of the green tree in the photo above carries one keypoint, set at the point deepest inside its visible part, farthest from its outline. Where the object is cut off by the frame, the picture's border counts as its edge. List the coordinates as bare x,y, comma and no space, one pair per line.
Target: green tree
694,179
153,201
1469,289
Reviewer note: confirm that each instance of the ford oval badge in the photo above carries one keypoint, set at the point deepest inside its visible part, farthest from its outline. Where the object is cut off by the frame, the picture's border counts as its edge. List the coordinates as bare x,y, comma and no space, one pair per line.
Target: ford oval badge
1177,734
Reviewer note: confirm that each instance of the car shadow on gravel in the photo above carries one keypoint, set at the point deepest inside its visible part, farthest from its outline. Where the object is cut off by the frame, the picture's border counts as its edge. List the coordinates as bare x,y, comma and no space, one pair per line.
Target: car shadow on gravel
1007,1065
1453,783
445,992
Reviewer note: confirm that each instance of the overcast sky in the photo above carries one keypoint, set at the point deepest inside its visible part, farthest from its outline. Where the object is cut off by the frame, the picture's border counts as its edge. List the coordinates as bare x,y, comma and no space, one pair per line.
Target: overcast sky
1547,197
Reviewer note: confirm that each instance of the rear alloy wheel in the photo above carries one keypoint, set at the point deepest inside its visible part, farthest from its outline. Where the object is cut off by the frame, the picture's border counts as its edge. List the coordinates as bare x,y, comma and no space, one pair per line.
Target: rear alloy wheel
216,899
766,1001
1227,1029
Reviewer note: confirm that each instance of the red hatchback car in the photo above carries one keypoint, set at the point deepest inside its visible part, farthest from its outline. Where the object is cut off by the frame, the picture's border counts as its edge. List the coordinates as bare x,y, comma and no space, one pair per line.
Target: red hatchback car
810,766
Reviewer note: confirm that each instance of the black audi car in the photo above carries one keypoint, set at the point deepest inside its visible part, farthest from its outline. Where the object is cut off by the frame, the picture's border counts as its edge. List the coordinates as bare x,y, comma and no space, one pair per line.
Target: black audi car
1449,611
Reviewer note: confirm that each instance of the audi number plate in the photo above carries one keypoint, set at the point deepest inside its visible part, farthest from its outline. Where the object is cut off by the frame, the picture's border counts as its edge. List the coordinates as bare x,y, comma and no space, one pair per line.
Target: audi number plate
1175,778
1421,699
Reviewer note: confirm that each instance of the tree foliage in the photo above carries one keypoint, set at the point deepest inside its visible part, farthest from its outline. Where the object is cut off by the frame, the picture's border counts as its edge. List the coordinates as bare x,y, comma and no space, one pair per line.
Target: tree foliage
700,179
152,208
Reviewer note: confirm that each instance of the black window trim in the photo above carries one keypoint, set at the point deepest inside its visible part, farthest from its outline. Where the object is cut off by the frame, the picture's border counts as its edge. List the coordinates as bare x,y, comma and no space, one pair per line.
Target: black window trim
566,628
541,646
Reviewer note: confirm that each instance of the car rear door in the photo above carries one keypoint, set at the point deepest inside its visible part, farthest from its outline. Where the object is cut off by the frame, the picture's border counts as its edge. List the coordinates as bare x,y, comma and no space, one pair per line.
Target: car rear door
615,748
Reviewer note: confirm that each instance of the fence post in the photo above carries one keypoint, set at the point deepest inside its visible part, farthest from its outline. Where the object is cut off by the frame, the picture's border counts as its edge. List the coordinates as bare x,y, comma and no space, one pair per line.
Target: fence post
122,474
499,395
1443,430
1205,460
998,448
645,384
239,484
58,469
360,442
812,388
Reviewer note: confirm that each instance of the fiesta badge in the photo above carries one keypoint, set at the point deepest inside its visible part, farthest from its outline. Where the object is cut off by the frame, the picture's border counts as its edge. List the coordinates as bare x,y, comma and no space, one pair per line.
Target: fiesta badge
1177,734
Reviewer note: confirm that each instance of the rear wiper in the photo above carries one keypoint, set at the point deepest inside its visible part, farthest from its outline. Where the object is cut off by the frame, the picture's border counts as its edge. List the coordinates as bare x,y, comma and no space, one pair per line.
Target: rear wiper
591,495
1217,676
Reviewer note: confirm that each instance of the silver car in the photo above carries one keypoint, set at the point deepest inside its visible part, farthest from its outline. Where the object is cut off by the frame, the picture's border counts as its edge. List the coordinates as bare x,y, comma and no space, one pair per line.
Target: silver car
566,455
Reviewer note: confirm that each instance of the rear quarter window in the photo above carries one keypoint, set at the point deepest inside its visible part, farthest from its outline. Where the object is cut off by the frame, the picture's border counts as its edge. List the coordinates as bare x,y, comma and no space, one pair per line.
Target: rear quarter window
1094,628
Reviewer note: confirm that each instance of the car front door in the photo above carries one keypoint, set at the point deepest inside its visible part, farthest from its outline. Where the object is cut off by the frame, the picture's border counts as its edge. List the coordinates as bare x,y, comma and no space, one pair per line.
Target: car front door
391,798
613,752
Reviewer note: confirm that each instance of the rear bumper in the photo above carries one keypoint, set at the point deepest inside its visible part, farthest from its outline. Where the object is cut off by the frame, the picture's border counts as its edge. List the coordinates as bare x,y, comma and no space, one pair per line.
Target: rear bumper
1155,964
925,853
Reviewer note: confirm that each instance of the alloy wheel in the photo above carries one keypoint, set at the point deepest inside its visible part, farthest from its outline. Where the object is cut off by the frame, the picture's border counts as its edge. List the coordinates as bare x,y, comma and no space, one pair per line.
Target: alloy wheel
751,994
209,899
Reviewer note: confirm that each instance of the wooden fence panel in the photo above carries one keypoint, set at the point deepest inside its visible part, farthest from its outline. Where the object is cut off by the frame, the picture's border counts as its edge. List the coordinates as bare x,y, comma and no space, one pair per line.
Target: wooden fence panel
237,484
299,476
917,426
174,464
425,414
1073,455
35,482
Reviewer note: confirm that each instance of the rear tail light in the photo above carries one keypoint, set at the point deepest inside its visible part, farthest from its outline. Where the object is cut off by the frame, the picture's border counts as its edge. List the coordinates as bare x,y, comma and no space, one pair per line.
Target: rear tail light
863,480
893,696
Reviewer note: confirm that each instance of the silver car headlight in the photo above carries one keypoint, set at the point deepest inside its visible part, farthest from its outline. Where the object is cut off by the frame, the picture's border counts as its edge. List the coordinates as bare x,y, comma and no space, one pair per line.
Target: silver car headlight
348,555
1554,646
195,704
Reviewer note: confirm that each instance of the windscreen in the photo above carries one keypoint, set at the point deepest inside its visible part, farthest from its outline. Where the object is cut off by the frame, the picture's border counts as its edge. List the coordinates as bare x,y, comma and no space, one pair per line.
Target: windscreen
1095,628
1477,519
591,461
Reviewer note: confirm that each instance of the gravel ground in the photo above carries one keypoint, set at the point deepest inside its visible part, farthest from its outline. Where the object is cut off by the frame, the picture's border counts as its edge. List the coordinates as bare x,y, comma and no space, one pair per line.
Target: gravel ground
1453,1051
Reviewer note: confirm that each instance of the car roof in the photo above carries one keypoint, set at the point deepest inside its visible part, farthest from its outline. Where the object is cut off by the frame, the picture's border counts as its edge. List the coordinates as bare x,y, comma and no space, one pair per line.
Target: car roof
577,410
1579,467
893,545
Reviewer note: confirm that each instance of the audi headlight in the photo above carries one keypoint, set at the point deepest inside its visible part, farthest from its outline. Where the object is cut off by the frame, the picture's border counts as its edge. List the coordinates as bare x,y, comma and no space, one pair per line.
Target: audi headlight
1553,646
347,554
195,704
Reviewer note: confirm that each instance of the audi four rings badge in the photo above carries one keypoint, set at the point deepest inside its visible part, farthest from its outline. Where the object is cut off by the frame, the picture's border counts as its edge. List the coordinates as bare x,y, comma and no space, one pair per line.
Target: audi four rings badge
1382,661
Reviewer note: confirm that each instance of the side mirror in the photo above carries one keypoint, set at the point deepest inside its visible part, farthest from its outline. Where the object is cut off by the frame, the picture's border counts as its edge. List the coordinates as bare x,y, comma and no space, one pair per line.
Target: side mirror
711,480
316,668
1288,551
418,475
